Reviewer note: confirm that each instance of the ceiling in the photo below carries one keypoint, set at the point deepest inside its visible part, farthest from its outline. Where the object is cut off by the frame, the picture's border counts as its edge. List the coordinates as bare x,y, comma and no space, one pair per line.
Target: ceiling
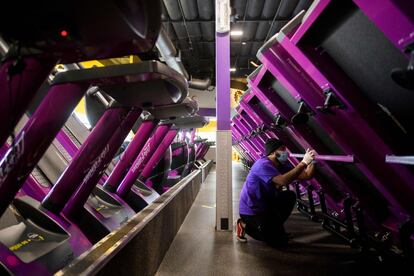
190,25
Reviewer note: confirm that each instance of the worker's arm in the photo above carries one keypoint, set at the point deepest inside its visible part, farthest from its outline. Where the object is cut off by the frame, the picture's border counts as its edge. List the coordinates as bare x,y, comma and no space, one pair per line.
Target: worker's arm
308,172
285,179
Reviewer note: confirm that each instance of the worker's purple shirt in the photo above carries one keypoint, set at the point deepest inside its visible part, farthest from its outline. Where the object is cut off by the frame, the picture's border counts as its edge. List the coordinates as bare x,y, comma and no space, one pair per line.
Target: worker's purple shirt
259,190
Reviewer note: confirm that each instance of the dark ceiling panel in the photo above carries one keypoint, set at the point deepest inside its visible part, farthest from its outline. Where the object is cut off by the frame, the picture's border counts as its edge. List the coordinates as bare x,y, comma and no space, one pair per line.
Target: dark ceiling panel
270,8
254,8
173,9
164,13
190,9
194,31
249,30
235,49
208,31
242,62
211,50
170,30
262,30
286,8
191,26
255,48
206,9
302,5
245,48
240,7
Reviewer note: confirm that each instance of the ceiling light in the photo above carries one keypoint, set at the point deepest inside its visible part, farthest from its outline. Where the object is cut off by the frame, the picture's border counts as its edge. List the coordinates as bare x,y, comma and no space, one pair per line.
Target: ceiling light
254,63
232,69
236,33
244,43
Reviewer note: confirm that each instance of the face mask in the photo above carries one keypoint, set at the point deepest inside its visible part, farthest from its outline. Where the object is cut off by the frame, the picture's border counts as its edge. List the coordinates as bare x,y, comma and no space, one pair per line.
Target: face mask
283,157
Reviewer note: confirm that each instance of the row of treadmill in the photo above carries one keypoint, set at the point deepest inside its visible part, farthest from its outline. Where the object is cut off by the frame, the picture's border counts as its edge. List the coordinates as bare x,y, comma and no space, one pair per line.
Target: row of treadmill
340,79
64,186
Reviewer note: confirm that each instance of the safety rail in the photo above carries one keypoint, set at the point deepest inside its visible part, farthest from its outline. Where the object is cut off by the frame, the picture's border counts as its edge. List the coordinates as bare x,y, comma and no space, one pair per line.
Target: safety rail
407,160
142,231
333,158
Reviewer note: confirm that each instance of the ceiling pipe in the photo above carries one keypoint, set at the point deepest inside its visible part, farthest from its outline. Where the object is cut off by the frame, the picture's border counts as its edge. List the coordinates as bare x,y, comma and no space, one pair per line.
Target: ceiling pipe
170,56
4,47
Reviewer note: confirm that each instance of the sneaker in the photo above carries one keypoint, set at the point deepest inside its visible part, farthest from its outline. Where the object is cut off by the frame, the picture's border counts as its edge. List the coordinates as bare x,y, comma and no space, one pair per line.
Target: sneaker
240,231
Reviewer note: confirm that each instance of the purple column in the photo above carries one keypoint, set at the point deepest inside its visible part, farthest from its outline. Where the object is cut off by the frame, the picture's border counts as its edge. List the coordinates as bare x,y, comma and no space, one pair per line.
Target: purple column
36,136
223,81
142,159
92,150
17,89
224,210
132,151
78,200
159,153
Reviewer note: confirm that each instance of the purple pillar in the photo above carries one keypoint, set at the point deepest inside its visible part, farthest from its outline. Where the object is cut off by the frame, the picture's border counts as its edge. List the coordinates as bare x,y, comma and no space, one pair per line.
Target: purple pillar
132,151
224,210
142,159
93,150
223,81
100,164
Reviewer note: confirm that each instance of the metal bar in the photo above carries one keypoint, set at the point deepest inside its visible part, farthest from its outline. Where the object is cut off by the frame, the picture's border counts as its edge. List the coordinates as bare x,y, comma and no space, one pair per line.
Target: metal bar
408,160
36,136
83,164
134,148
238,21
4,47
142,159
99,165
334,158
158,154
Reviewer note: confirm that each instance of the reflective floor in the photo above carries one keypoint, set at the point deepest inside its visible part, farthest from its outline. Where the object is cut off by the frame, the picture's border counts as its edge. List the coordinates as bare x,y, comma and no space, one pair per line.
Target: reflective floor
200,250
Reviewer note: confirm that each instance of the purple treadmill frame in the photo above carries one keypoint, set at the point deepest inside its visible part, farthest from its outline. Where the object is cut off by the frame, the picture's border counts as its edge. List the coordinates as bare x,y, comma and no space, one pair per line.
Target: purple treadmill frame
123,124
23,87
307,141
334,202
239,130
257,142
36,135
204,152
396,208
370,155
89,157
158,154
390,18
142,159
243,130
134,148
387,15
248,149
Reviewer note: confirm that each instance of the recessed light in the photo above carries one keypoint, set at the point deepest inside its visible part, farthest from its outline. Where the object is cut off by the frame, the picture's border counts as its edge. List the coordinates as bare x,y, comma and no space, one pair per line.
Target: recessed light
232,69
236,33
244,43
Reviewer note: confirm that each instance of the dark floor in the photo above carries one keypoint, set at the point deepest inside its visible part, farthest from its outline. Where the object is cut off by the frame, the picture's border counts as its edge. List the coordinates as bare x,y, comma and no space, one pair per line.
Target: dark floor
200,250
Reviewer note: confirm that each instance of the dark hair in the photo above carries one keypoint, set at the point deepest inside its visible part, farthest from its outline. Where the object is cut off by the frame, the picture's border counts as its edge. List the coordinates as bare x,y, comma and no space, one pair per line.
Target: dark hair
271,145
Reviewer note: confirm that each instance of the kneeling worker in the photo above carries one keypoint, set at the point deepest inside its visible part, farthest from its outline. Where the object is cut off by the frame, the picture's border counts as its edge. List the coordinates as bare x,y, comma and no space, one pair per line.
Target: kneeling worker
264,206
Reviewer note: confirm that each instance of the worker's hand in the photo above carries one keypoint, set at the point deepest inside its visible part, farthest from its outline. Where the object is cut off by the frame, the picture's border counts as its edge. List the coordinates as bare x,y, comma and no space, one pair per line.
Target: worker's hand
309,156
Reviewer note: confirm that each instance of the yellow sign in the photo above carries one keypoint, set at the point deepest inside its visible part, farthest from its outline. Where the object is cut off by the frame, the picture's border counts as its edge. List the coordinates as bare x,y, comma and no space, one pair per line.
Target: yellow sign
31,237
